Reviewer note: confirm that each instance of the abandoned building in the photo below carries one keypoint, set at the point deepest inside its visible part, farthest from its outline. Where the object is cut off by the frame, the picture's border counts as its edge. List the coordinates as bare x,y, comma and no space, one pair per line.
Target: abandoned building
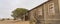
46,13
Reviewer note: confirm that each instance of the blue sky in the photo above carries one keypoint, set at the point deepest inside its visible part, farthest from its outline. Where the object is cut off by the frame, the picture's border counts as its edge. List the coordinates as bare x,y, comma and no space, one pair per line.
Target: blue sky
6,6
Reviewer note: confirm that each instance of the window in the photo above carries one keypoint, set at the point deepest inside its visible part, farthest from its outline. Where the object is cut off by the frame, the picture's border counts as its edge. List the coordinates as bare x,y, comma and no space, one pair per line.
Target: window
51,9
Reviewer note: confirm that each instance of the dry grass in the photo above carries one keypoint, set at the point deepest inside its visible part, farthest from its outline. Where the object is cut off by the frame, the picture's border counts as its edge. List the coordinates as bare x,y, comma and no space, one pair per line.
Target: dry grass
13,22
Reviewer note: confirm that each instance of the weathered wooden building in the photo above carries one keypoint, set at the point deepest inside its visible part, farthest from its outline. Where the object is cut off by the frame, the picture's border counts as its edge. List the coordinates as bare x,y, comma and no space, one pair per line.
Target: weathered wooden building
46,13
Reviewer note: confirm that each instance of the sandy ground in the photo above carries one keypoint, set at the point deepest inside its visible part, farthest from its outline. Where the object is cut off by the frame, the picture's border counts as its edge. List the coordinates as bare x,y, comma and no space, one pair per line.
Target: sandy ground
13,22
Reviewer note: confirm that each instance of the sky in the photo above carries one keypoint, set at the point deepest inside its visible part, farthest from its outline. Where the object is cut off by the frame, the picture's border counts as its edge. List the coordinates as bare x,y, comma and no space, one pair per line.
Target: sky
7,6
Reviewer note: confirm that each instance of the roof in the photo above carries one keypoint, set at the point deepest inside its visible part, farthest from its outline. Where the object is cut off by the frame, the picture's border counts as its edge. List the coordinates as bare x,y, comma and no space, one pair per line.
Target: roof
39,5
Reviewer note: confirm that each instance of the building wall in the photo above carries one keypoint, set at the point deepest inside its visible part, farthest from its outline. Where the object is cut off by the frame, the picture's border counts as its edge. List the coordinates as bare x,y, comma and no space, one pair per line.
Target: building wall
51,12
31,14
48,13
59,4
37,15
40,14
